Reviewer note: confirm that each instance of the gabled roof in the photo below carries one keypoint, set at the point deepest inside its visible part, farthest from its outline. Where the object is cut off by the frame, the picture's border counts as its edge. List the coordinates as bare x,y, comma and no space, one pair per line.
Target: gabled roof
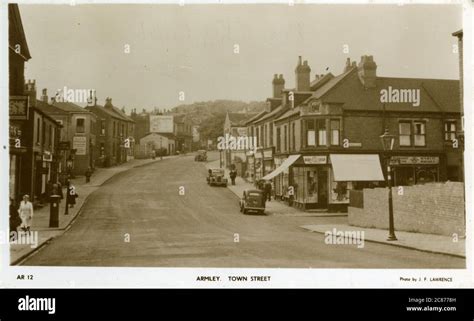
69,107
122,115
315,84
49,109
274,113
240,119
45,114
16,33
289,113
436,95
102,109
256,117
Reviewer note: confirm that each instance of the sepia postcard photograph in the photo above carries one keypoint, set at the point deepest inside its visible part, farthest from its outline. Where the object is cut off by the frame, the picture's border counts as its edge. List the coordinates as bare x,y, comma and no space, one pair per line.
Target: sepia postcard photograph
236,143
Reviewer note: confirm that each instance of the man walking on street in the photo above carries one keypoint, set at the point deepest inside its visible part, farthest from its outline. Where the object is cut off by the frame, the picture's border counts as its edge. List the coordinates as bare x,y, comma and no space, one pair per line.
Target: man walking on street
88,174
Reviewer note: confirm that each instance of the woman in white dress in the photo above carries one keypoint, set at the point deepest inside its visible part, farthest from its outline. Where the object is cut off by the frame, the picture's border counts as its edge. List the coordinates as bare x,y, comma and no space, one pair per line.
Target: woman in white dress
26,213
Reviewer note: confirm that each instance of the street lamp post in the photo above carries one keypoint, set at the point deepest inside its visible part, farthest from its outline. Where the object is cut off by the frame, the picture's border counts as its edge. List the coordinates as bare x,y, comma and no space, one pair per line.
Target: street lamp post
387,144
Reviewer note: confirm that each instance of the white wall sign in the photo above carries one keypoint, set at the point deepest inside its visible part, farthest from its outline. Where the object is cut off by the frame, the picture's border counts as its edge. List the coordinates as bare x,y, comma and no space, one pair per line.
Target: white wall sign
161,124
79,143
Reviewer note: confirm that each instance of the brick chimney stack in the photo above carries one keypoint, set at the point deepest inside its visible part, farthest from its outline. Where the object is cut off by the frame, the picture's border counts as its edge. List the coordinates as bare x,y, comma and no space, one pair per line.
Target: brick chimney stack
44,96
30,91
278,85
108,103
302,75
367,70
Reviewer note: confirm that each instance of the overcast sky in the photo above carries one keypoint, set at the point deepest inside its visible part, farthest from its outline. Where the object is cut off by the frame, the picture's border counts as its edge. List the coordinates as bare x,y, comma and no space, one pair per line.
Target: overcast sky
191,48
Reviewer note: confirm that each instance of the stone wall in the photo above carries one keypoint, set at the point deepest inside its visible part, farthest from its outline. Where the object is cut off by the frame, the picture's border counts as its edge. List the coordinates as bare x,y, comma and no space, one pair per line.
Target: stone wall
435,208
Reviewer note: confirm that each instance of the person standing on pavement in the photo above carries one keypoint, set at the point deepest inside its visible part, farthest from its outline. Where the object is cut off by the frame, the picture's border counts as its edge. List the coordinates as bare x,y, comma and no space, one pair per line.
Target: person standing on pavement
88,174
233,175
15,220
26,213
268,190
60,190
71,194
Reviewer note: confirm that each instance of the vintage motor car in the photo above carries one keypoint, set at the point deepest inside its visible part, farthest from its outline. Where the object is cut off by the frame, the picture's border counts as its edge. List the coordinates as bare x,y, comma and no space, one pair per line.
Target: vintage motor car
201,156
216,177
252,201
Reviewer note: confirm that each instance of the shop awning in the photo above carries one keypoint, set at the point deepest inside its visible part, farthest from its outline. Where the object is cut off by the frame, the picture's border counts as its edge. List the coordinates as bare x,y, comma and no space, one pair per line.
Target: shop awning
287,163
356,167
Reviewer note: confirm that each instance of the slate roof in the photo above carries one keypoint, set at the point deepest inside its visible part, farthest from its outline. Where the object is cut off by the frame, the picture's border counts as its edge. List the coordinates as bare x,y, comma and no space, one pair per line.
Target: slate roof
240,119
70,107
256,117
104,110
49,109
436,95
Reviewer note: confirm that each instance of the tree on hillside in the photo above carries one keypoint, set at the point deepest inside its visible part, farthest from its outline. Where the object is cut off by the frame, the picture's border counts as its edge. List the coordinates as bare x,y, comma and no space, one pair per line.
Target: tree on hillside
212,126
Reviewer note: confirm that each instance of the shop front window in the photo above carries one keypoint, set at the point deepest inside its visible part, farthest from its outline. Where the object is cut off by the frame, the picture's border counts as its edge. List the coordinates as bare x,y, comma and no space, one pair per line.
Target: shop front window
404,176
425,174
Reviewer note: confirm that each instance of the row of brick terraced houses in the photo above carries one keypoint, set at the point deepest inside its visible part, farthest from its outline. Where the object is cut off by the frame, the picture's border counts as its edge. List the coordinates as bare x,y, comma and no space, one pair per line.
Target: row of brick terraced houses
49,139
323,137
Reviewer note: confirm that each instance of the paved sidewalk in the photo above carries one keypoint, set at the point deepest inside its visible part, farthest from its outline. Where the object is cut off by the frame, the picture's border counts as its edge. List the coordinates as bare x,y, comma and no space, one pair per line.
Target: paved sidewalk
273,207
439,244
41,216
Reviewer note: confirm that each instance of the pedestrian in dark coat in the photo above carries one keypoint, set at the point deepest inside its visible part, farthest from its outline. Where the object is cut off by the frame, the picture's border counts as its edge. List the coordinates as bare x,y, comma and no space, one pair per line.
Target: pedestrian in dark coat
233,175
88,174
15,220
268,190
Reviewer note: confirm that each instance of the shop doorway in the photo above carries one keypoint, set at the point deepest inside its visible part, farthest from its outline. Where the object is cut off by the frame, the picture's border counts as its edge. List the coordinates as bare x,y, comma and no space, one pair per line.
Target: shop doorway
322,189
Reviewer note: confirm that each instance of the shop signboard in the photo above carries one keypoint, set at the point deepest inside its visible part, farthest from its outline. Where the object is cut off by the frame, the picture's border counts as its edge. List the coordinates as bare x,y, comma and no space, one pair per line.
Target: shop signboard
268,154
314,160
414,160
65,145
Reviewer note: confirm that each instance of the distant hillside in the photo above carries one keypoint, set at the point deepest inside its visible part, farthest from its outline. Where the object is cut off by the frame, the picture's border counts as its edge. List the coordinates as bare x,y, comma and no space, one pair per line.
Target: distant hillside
210,115
202,110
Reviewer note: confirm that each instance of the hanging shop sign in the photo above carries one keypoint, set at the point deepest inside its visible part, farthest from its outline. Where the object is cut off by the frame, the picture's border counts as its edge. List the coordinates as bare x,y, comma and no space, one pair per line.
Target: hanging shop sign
18,107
